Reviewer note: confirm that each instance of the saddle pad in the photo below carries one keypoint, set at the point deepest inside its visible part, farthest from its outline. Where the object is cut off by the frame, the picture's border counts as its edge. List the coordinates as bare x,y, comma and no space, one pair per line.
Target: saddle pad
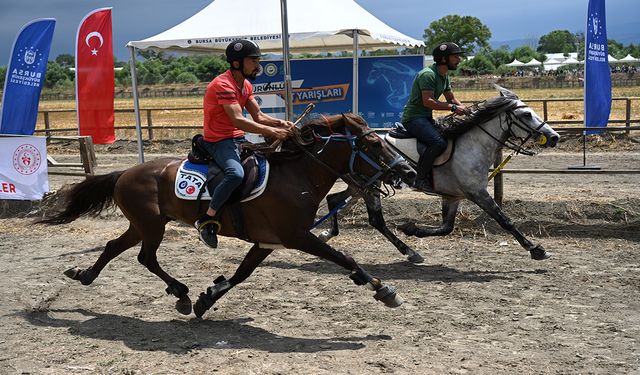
191,177
408,147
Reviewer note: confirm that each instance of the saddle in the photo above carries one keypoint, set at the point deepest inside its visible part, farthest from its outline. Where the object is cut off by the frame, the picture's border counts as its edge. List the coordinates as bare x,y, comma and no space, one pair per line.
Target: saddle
409,147
199,174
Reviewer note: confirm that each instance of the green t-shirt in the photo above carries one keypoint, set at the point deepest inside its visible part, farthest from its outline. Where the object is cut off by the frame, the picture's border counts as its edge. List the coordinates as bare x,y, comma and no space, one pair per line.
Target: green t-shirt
430,80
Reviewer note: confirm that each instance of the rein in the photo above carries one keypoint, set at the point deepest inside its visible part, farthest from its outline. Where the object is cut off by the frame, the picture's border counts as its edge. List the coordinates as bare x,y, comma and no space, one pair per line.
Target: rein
511,121
358,149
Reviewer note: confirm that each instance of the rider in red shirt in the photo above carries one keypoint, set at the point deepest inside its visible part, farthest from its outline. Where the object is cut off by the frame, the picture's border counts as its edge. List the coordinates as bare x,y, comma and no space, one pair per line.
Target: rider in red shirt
224,126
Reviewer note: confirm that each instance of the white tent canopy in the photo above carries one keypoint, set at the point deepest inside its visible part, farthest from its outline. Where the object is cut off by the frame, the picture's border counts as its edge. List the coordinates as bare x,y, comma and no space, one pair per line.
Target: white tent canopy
325,25
629,58
571,60
515,62
533,62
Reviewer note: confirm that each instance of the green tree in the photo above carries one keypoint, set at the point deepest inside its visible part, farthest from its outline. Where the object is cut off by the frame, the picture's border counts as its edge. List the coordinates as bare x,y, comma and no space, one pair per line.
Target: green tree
616,49
187,77
58,76
526,53
467,31
3,75
497,57
633,50
557,41
66,59
480,64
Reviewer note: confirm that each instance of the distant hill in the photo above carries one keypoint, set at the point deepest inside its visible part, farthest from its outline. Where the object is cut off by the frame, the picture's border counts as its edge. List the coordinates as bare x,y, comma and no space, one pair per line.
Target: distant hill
626,33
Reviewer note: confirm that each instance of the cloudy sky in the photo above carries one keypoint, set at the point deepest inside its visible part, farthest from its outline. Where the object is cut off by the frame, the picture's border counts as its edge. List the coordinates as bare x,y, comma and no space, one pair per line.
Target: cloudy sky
139,19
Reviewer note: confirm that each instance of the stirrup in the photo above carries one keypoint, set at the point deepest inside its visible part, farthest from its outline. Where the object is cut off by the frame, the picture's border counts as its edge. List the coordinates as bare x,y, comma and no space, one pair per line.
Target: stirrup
199,225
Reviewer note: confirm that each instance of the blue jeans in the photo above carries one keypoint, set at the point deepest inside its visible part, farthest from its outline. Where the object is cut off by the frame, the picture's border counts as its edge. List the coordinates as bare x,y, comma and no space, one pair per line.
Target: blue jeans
226,154
424,129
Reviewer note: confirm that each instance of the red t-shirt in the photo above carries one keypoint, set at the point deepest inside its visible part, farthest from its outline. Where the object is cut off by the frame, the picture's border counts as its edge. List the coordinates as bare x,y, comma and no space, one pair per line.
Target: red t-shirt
223,90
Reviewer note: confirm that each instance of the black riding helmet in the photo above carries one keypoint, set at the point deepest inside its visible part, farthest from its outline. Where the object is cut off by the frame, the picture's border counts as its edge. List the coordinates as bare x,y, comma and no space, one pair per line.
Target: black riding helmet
241,48
444,50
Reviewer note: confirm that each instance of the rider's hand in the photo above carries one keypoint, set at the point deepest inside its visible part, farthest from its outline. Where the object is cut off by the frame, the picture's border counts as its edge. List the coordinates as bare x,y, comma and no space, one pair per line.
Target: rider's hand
460,109
279,133
286,124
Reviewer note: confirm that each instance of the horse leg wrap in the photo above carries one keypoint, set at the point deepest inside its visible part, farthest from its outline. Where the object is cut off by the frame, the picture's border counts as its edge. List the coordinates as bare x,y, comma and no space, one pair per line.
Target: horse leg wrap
388,296
360,277
214,292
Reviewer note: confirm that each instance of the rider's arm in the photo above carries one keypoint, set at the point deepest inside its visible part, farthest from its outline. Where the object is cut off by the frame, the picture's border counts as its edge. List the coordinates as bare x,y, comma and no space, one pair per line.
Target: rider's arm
262,118
429,101
452,100
234,111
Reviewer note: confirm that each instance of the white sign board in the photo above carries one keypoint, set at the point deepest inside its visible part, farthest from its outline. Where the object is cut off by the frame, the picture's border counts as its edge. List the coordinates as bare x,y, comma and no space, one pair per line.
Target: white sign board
23,168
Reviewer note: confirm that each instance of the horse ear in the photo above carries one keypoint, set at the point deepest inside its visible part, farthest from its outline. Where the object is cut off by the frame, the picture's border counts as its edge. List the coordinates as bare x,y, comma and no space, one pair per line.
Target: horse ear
505,92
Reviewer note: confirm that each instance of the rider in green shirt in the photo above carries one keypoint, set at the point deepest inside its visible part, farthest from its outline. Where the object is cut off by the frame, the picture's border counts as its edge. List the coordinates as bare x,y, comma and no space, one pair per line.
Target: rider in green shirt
429,85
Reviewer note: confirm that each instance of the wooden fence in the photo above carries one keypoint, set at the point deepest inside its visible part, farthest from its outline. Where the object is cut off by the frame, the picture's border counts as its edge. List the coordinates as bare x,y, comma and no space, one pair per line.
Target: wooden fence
148,127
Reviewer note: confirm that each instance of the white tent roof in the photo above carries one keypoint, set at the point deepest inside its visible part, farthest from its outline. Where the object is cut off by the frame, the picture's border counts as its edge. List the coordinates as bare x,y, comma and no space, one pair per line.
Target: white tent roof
533,62
313,26
629,58
552,62
515,62
612,59
571,60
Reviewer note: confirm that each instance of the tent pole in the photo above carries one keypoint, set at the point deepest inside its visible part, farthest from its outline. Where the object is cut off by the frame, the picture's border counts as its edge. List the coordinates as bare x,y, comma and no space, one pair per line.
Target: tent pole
355,72
136,104
288,99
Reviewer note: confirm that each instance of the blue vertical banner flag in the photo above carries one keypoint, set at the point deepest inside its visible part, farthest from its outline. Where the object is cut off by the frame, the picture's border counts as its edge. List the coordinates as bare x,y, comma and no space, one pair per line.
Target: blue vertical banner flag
597,73
25,77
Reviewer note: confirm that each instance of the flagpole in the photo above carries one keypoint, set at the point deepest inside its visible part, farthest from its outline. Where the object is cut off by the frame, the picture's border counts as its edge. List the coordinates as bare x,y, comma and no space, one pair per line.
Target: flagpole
136,104
288,99
584,99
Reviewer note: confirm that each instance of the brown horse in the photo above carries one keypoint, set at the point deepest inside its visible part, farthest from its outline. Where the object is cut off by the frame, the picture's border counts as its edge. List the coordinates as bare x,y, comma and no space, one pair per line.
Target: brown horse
281,216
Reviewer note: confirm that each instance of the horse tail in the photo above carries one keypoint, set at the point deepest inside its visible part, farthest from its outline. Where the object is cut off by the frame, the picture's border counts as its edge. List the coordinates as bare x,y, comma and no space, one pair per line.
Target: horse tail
89,197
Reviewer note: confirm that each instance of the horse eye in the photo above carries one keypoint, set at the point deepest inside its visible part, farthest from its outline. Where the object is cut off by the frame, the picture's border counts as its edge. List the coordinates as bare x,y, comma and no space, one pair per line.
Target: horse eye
528,114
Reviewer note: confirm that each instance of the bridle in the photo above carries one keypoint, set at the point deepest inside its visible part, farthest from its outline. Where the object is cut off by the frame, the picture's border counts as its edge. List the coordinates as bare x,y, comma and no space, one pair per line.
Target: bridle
511,120
359,150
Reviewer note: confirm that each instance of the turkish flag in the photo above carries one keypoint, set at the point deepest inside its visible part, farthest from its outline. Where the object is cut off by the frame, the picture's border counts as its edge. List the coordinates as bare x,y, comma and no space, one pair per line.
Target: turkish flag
94,77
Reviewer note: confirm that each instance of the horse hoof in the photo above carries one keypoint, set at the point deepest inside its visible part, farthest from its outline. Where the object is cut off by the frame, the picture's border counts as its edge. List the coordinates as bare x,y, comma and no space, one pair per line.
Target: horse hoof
183,305
539,253
85,277
415,258
72,273
203,304
388,296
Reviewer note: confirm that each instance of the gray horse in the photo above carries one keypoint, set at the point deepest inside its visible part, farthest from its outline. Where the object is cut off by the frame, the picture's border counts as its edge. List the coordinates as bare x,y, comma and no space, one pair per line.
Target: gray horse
463,169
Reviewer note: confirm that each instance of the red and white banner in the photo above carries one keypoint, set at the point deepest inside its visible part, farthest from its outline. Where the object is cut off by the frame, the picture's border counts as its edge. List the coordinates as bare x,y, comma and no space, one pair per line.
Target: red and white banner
23,168
94,77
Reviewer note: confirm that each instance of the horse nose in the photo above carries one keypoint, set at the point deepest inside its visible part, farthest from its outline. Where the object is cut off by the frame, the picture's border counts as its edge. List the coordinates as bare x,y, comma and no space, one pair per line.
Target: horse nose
553,140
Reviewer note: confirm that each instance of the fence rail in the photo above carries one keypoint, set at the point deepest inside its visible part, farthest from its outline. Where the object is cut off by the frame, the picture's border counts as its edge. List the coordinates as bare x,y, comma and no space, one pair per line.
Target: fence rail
148,114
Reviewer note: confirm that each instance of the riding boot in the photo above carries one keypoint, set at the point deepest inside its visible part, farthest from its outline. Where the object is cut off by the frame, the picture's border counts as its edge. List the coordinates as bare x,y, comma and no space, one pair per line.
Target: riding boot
424,178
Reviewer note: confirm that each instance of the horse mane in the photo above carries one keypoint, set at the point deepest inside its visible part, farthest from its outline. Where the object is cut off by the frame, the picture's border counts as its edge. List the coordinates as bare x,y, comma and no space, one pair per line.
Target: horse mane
453,125
305,135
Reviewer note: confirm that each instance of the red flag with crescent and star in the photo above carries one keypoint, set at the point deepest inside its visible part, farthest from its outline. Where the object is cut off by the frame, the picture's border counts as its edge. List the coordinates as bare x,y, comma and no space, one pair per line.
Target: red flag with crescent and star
95,77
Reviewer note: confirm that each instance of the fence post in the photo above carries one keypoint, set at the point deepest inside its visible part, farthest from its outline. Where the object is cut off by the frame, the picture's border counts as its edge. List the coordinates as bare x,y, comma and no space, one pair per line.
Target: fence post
498,186
628,116
150,124
47,127
545,111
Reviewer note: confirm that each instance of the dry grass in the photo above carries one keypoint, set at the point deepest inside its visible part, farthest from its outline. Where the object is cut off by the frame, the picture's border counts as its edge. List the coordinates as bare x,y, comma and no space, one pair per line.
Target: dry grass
193,117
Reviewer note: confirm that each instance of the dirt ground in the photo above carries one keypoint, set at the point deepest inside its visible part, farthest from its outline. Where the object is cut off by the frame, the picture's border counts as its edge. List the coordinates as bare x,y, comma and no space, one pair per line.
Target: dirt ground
478,304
